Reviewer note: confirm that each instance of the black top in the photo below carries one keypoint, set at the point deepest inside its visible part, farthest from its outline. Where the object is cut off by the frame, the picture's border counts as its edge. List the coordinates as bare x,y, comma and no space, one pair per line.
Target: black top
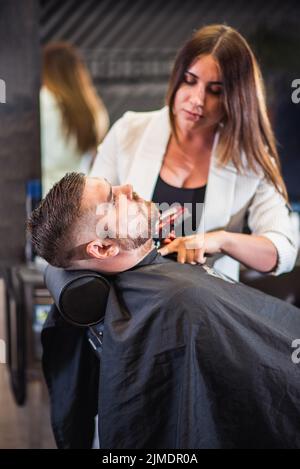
189,198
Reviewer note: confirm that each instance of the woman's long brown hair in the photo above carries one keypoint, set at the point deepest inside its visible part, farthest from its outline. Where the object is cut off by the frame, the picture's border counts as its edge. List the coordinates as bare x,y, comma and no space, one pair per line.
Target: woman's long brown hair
83,113
246,126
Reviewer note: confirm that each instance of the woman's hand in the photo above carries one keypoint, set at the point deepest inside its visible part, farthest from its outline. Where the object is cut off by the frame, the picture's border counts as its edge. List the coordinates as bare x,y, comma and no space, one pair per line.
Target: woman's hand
193,249
254,251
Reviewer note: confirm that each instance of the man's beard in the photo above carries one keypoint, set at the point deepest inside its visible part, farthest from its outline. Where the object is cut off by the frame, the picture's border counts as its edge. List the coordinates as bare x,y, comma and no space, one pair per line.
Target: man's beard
131,230
149,212
129,244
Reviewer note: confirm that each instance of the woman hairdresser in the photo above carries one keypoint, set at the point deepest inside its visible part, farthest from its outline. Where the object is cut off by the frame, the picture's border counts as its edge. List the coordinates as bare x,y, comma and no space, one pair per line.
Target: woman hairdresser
213,143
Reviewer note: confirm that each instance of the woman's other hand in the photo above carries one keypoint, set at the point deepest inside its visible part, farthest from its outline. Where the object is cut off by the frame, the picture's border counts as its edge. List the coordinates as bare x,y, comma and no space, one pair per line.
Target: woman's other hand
193,249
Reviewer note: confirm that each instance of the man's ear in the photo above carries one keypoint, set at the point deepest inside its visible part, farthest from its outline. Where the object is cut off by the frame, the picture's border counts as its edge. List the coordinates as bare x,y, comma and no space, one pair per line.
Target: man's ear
102,249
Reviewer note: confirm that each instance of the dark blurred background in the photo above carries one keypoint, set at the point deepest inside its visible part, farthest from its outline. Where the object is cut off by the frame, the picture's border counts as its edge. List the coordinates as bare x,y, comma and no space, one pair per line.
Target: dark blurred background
130,45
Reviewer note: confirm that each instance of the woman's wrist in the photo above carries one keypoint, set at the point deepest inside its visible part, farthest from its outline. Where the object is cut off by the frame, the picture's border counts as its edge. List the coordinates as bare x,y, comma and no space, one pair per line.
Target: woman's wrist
225,241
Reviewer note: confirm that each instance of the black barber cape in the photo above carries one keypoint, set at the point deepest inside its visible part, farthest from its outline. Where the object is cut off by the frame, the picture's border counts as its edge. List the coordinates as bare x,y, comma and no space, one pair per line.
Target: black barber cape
189,360
71,370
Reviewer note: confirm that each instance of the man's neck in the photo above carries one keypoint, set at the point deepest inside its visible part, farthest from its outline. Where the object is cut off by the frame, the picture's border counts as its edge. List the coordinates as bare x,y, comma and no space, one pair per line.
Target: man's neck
125,260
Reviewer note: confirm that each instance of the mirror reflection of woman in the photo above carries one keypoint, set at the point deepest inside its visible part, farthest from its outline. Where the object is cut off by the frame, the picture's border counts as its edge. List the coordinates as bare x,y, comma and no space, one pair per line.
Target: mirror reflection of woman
212,143
74,119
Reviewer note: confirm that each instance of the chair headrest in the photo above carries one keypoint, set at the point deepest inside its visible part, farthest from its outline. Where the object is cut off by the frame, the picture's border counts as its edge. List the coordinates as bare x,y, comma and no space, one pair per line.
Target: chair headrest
80,295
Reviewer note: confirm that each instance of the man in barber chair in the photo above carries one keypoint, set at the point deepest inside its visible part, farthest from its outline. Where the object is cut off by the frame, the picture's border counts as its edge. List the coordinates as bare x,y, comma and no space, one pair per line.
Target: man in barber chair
189,359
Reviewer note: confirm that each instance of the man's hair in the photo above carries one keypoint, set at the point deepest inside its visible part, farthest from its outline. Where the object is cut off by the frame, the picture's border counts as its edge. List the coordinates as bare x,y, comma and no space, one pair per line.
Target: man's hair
52,224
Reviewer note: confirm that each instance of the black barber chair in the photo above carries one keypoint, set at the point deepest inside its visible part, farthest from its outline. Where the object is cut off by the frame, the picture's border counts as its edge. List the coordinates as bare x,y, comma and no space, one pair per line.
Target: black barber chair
285,287
81,297
70,367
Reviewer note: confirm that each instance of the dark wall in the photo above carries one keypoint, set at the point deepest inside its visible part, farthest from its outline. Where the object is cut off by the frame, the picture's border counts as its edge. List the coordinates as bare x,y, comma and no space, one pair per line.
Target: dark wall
19,119
129,47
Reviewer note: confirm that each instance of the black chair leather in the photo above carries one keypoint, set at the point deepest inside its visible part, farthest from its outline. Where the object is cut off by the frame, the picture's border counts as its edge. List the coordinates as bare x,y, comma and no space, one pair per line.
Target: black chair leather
80,295
284,287
81,298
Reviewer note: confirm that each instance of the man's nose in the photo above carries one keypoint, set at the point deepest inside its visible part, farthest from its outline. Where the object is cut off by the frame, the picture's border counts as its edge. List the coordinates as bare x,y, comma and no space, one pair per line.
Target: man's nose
125,189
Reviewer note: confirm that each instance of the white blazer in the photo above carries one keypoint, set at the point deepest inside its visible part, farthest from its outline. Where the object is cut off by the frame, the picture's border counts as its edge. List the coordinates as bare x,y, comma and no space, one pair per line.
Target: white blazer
133,153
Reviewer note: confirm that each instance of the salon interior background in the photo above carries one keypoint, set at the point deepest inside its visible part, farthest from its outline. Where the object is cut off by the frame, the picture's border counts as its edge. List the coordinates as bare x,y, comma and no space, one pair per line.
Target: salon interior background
129,47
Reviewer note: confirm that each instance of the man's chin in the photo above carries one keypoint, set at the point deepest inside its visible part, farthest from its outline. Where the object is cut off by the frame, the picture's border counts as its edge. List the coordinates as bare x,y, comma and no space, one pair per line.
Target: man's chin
151,213
153,219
